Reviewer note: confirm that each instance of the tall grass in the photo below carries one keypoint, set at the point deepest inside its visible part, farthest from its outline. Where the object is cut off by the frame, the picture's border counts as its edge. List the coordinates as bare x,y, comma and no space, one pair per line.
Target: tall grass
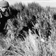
30,32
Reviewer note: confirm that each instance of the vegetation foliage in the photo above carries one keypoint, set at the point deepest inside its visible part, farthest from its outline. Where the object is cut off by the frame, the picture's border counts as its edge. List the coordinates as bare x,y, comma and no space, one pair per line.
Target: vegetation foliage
31,31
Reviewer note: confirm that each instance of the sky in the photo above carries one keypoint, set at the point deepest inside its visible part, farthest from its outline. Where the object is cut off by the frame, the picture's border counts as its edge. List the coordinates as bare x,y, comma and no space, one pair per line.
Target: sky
44,3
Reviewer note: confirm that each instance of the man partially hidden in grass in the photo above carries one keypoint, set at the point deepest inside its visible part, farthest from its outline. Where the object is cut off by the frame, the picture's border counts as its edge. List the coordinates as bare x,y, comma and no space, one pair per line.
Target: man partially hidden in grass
4,15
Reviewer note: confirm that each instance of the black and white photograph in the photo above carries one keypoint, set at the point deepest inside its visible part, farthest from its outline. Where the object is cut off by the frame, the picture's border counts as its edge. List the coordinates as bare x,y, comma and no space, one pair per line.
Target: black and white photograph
27,27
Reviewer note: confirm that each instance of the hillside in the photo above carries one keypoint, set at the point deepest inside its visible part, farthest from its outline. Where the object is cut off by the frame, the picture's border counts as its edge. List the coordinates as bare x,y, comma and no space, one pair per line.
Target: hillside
30,32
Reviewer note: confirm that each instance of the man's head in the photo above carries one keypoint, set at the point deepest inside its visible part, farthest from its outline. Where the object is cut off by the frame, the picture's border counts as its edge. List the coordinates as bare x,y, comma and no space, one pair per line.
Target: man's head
4,4
4,8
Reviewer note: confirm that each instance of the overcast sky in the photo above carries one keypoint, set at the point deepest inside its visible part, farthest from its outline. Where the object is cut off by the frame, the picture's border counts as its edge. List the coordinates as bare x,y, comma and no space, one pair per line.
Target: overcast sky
43,3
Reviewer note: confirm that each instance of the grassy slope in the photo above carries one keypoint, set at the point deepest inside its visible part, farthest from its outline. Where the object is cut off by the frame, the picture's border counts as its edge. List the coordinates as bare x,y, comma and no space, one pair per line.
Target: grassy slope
30,33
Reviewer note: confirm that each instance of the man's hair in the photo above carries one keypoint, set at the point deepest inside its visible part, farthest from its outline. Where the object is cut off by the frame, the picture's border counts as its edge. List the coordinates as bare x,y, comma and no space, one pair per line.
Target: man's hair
4,4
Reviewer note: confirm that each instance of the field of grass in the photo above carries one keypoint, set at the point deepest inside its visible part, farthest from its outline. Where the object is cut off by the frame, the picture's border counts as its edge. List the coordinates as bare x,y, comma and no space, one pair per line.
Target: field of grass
30,32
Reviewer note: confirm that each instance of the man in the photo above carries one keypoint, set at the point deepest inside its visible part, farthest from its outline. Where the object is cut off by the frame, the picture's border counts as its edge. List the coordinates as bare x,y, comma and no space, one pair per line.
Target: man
4,14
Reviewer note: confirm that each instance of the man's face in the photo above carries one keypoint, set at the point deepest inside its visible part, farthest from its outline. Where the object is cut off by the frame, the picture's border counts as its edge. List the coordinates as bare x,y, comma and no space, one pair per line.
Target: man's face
3,9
